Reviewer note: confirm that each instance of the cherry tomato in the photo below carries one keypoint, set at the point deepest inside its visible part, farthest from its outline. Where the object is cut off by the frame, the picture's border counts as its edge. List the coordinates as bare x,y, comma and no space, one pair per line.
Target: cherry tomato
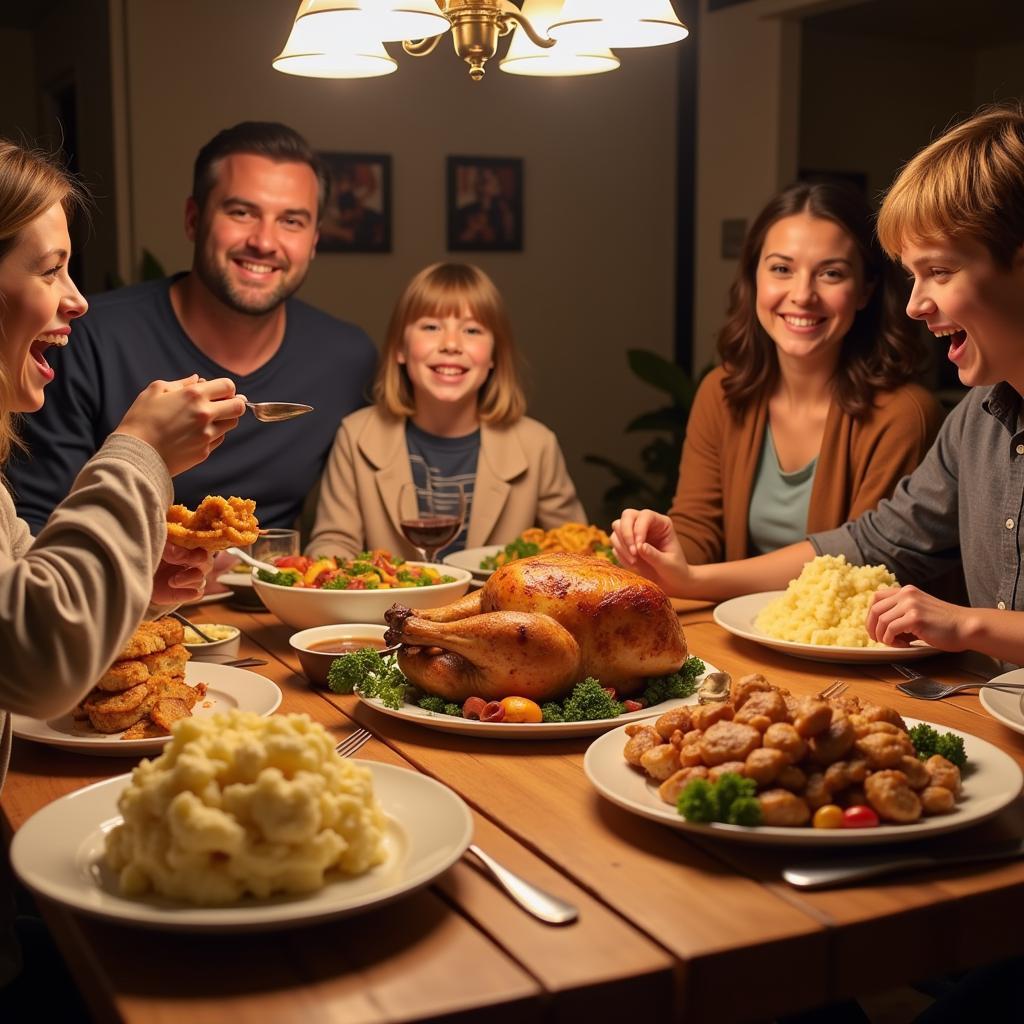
473,707
829,816
634,705
859,816
492,712
300,562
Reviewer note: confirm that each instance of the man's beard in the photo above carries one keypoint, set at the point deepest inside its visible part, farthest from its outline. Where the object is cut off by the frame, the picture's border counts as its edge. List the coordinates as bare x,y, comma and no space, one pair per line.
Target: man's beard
219,283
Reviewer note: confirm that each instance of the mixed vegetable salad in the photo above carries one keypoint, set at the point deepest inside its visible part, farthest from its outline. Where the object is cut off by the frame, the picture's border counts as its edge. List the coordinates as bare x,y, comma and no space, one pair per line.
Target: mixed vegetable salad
369,570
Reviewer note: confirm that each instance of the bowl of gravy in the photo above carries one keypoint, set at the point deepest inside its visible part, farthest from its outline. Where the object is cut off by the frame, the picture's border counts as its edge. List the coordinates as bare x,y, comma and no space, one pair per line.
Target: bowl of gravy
318,647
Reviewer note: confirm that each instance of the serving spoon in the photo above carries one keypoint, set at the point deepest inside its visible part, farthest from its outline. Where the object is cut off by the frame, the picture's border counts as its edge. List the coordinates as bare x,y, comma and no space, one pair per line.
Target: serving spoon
274,412
254,562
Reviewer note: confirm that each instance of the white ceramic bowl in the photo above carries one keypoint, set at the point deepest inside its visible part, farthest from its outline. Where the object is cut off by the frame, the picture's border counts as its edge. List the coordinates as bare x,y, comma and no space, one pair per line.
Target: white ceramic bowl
304,608
316,664
228,646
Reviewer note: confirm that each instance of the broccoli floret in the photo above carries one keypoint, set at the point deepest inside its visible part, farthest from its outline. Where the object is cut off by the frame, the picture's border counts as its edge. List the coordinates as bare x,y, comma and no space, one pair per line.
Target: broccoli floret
589,701
360,568
552,712
698,801
928,741
731,799
367,673
404,576
519,548
745,811
951,747
284,578
925,739
439,706
446,579
679,684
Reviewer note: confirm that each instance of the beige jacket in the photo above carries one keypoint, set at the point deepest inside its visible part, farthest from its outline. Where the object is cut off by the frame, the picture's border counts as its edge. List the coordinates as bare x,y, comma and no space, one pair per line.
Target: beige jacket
70,599
521,481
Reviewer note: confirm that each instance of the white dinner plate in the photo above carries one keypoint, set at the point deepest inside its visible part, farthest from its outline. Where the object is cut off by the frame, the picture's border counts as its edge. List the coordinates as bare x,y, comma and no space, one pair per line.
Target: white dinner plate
1002,705
236,579
737,617
529,730
58,853
227,688
991,781
470,559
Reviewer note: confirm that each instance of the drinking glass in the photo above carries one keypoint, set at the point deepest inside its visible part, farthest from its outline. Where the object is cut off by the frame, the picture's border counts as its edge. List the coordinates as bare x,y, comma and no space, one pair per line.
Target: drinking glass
275,543
431,517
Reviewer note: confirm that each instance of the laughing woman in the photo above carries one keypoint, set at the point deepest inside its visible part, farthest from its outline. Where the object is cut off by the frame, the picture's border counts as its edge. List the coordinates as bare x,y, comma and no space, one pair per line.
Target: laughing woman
70,598
811,419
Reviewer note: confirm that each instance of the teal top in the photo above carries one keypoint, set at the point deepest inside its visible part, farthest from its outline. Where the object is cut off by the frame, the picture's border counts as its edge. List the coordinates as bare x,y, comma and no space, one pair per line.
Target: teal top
778,501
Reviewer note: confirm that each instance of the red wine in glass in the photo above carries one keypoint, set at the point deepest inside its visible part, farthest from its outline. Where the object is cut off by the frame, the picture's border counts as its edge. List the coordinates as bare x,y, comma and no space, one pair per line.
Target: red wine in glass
431,533
430,519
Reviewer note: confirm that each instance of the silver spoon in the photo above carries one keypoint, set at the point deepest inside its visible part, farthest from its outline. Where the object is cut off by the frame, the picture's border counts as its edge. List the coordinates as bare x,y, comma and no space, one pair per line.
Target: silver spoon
254,562
205,637
274,412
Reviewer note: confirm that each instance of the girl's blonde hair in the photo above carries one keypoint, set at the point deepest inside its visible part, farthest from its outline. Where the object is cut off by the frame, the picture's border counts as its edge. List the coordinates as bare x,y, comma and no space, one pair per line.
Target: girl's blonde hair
447,289
968,183
30,183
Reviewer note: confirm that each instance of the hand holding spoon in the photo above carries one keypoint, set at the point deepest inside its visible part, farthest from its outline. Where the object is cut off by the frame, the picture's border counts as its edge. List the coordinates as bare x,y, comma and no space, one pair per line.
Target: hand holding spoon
274,412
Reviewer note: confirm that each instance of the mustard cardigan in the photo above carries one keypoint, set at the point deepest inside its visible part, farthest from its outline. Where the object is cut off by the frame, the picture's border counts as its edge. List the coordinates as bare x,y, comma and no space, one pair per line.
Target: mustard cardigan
861,462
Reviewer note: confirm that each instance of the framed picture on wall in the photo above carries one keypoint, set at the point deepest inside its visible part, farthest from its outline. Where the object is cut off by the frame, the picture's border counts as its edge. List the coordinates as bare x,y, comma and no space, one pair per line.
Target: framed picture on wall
485,203
357,217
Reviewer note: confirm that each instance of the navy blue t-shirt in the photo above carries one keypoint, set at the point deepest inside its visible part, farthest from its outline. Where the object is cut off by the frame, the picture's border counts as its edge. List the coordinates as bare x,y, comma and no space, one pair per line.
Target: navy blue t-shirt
442,465
131,337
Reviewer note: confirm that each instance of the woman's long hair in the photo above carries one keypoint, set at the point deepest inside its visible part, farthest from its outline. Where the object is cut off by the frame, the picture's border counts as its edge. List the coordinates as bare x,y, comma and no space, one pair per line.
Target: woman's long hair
882,349
30,183
446,289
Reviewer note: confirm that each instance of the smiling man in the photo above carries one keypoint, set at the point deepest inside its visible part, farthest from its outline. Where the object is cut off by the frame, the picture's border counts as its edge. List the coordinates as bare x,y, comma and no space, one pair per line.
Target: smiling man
258,192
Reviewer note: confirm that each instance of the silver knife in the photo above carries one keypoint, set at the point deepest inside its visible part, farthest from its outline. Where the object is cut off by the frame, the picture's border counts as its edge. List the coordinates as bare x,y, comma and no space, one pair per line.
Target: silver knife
818,876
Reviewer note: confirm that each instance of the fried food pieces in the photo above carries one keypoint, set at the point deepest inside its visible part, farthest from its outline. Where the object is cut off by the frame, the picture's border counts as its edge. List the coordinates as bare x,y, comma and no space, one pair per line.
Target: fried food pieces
216,524
144,691
802,752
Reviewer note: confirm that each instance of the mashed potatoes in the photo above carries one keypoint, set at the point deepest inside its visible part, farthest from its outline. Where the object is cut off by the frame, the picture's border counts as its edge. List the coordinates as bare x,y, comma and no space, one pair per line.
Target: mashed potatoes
241,804
826,604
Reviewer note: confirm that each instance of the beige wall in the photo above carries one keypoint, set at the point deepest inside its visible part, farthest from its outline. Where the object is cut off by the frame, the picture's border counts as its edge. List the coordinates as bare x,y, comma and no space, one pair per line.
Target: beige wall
596,276
747,137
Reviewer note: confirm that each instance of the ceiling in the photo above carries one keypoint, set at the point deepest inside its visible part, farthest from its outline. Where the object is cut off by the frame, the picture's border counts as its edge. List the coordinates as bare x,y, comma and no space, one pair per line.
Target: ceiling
977,24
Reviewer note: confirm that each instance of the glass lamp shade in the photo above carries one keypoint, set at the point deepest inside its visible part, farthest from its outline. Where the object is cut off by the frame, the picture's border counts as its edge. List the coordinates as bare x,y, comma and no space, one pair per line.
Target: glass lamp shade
314,54
336,21
563,59
584,24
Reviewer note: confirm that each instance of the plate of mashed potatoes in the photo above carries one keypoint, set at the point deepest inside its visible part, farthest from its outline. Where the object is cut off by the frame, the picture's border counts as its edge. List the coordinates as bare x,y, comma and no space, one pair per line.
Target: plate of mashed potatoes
243,823
821,614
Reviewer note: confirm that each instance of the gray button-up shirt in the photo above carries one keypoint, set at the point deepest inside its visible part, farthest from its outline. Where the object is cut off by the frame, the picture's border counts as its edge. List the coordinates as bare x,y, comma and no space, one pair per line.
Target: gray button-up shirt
964,502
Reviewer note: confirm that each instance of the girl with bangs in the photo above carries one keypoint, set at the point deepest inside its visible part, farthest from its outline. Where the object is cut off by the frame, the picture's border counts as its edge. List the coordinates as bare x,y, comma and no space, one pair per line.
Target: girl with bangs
448,412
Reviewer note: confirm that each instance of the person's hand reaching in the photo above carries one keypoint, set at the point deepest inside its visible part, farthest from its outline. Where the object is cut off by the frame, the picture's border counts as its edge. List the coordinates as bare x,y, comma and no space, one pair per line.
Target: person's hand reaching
899,615
645,542
184,420
181,574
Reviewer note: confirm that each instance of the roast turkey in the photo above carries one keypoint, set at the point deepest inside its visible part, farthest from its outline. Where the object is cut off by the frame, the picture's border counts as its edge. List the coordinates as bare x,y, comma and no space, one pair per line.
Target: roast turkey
536,628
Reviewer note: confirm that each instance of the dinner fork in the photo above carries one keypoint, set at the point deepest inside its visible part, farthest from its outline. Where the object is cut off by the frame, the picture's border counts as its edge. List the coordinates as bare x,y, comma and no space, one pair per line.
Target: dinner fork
926,688
836,689
543,905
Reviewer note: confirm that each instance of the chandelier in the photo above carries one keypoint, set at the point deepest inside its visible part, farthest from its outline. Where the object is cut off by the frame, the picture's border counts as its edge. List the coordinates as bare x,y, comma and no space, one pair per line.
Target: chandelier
549,38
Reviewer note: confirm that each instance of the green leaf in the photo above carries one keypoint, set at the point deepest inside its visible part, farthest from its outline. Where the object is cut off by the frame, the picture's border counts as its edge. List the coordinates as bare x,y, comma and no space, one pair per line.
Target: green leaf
666,376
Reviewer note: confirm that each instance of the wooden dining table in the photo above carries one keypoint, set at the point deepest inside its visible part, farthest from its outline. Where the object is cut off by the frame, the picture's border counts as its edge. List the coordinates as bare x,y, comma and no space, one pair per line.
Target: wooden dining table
684,926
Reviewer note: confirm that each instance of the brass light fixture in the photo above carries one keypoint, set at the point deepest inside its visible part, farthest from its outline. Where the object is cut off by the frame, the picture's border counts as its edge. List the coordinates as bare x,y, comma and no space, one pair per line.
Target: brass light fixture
345,38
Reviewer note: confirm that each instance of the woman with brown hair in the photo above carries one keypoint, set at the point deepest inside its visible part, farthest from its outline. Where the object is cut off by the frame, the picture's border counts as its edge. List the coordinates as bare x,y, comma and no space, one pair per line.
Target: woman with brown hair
812,417
70,597
448,413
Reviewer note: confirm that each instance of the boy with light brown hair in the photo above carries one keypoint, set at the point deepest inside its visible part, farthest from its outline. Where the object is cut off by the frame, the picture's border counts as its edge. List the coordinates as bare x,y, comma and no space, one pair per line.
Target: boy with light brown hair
955,219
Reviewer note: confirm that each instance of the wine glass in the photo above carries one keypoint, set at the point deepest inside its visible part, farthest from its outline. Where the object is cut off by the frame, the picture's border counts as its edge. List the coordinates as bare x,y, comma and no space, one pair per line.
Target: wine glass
431,517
